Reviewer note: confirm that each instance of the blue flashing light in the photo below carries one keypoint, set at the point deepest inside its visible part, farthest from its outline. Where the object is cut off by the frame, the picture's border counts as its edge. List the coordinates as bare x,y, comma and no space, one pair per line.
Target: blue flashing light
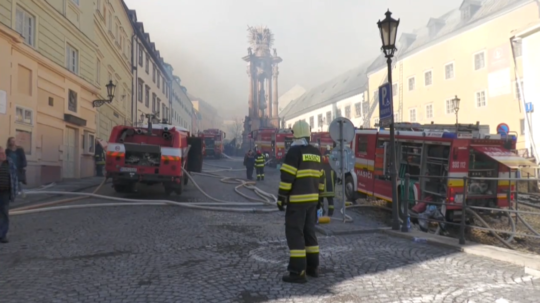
448,135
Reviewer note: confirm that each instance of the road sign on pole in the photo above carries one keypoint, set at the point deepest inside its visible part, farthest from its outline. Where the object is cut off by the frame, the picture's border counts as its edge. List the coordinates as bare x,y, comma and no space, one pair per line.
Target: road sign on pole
386,110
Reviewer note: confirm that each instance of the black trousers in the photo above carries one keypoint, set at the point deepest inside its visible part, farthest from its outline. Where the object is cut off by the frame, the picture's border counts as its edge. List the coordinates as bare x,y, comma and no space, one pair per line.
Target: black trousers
330,205
260,171
300,219
249,172
4,213
99,170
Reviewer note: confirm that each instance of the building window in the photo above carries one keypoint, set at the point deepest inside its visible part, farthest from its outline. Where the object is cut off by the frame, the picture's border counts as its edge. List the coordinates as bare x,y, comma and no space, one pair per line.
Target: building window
519,87
154,102
338,113
154,73
365,107
481,99
449,106
429,111
72,59
98,71
147,65
522,126
395,89
320,120
51,101
26,26
449,71
328,117
348,111
311,121
24,139
23,116
141,55
89,143
163,109
72,101
428,78
479,61
158,80
376,122
518,49
412,115
139,90
147,96
75,1
358,109
412,83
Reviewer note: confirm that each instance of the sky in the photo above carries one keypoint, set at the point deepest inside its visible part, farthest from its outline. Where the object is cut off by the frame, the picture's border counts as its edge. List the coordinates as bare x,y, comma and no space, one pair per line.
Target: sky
204,40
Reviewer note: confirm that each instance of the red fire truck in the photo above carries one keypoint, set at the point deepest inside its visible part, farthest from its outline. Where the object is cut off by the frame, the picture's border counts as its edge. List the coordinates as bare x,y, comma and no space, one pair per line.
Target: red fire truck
213,142
442,152
152,154
322,140
273,143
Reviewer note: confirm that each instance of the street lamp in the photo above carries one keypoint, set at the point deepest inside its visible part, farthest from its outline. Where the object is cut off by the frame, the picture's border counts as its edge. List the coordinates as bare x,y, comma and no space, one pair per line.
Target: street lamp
110,94
455,105
388,30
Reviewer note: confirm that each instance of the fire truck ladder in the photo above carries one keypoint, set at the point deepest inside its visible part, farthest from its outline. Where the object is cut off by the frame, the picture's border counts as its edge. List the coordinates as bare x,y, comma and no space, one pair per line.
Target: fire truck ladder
462,128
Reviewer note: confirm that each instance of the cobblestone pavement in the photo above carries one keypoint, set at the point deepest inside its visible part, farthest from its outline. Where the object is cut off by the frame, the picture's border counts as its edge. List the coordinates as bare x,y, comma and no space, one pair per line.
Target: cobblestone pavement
172,254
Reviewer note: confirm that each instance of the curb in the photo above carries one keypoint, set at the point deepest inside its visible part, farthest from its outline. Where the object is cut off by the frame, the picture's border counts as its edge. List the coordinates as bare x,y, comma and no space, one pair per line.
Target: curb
28,203
327,232
529,262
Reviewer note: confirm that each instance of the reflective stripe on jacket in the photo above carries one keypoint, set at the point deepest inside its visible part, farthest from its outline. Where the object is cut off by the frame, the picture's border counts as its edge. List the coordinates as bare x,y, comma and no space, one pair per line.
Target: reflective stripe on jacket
259,161
301,176
329,182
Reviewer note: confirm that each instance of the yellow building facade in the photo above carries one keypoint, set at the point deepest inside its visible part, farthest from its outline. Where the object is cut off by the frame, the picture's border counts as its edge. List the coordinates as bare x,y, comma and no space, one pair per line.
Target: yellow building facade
47,74
113,36
465,53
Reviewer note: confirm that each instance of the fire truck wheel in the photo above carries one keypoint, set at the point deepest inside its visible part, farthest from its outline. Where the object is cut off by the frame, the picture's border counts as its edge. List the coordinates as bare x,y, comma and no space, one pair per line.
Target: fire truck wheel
186,179
168,190
178,188
122,188
349,189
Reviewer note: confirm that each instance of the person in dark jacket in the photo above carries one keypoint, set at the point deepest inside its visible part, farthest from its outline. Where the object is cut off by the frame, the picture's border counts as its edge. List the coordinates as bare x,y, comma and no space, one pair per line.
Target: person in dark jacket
249,163
18,156
301,183
8,191
99,158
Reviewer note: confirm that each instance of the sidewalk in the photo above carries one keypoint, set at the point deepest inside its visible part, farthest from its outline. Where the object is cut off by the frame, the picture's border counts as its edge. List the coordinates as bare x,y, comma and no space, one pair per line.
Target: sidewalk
72,185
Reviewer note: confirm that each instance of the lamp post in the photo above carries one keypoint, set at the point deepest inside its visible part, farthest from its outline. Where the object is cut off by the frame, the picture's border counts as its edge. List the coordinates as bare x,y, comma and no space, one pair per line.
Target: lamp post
110,94
455,105
388,30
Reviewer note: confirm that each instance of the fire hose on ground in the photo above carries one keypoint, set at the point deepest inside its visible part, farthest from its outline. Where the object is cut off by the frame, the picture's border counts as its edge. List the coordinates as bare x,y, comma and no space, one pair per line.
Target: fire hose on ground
263,199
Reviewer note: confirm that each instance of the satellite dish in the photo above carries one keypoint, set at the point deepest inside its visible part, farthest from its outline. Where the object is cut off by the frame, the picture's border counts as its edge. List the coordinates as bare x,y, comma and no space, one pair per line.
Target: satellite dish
348,130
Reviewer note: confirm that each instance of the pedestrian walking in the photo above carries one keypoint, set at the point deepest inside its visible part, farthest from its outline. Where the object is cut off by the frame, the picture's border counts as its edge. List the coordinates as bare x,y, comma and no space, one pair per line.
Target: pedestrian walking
259,165
99,159
329,193
249,163
18,156
299,189
8,191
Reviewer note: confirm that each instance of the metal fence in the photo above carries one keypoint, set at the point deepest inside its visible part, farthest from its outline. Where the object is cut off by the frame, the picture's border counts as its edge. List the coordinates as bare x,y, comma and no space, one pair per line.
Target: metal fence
470,206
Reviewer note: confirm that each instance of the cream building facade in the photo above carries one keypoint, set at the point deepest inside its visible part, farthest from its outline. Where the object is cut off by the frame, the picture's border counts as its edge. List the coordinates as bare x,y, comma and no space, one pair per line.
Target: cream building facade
339,97
466,52
180,105
47,84
209,116
113,35
151,81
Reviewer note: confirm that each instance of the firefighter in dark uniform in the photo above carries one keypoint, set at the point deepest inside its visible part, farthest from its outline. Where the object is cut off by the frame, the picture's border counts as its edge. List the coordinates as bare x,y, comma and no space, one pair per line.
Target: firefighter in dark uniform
329,184
299,189
259,166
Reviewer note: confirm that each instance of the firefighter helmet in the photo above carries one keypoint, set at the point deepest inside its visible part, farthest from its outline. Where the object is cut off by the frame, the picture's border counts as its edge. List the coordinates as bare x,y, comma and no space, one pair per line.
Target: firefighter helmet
301,130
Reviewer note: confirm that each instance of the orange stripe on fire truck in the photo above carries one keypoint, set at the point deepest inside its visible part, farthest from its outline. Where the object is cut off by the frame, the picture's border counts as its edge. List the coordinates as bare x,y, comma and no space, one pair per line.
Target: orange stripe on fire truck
364,164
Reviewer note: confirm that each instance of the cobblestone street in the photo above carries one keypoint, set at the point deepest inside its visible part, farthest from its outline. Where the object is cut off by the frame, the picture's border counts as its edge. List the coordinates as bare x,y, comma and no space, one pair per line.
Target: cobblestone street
173,254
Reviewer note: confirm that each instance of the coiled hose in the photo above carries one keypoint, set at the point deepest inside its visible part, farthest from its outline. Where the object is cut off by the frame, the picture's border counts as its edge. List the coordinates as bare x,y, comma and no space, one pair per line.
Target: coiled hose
263,199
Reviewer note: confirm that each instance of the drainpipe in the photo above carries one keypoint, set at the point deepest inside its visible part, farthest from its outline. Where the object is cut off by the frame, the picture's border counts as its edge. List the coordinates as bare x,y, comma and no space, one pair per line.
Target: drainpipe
522,97
134,96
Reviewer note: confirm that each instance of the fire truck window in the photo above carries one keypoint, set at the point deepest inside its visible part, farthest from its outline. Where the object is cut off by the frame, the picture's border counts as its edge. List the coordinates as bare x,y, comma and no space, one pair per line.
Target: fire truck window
362,144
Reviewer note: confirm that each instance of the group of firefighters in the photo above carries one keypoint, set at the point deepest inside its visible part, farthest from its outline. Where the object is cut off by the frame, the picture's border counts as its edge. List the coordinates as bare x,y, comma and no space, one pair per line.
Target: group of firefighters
306,179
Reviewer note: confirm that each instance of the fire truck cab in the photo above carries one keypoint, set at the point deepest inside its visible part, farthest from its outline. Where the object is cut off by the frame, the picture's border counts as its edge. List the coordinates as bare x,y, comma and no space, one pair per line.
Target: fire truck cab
152,154
448,153
273,143
213,142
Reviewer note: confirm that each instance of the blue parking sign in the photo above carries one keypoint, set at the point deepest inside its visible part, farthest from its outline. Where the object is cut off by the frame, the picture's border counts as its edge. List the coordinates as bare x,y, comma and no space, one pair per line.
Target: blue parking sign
386,110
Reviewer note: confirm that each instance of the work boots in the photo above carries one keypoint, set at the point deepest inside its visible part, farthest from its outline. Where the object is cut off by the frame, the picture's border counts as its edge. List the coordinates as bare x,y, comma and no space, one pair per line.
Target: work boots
295,278
312,272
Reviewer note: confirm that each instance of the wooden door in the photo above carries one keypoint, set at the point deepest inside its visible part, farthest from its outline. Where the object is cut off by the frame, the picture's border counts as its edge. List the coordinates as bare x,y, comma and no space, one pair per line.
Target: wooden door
69,153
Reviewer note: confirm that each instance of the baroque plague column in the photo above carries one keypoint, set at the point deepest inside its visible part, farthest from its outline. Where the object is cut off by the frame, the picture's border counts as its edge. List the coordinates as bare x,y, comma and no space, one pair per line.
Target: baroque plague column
262,70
